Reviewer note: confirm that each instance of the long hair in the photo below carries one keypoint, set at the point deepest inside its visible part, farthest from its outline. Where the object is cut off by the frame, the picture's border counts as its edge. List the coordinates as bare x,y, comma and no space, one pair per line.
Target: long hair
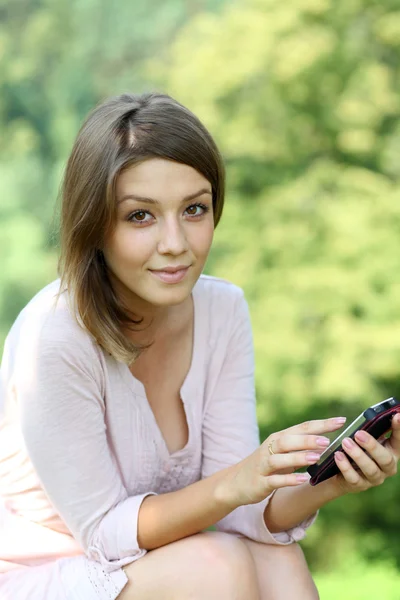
117,134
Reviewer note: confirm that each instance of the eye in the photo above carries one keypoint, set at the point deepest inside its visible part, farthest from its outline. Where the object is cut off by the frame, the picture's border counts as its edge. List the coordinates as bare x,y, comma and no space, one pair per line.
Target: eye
198,205
139,215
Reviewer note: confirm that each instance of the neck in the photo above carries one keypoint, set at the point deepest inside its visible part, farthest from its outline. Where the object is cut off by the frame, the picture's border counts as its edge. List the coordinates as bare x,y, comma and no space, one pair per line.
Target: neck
165,324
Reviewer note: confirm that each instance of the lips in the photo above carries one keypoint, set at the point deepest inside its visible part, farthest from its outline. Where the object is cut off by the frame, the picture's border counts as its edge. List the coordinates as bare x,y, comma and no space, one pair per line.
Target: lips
170,277
171,269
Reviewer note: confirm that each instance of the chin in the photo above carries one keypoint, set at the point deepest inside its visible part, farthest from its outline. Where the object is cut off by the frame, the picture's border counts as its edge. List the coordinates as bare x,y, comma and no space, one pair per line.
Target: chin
170,294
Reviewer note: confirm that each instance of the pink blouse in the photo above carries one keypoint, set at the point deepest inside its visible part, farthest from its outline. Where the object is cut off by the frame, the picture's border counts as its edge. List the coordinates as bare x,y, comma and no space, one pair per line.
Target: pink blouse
79,445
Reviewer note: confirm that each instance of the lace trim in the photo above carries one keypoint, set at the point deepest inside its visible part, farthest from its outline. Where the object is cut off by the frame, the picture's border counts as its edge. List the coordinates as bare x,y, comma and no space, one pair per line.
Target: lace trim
92,569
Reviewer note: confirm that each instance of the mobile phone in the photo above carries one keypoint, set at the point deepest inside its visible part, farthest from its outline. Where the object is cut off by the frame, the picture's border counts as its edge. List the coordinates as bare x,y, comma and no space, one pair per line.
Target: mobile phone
376,420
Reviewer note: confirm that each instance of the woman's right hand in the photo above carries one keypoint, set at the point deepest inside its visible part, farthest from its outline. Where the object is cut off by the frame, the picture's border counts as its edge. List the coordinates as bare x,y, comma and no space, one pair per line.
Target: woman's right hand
255,477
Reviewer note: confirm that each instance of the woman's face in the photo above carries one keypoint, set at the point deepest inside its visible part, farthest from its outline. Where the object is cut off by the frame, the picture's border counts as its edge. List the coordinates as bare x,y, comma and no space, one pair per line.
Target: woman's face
163,229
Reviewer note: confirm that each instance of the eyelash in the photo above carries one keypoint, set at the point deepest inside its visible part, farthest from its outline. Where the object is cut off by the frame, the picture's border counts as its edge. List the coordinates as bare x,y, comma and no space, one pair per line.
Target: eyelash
132,215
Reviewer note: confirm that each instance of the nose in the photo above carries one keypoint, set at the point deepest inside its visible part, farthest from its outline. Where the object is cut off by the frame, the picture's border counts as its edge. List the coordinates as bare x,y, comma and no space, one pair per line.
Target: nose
172,237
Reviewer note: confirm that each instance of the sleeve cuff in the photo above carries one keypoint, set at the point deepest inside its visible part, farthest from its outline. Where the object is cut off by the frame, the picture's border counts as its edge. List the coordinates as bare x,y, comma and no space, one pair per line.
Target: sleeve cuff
115,544
248,521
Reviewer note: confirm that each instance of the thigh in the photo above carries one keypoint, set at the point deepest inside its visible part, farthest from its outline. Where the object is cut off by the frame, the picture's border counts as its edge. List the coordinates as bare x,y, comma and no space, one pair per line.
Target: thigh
210,564
282,572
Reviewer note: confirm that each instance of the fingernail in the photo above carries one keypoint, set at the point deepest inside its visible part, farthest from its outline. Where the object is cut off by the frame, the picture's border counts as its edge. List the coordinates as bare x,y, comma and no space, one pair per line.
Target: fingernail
323,441
302,478
341,420
362,436
312,457
339,455
348,443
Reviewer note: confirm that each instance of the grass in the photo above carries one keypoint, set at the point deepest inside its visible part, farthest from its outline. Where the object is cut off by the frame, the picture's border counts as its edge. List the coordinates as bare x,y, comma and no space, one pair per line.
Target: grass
359,580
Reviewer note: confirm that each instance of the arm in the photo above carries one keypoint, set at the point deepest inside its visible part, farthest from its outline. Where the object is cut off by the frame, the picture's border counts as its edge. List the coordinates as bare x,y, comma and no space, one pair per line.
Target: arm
59,385
172,516
289,506
230,433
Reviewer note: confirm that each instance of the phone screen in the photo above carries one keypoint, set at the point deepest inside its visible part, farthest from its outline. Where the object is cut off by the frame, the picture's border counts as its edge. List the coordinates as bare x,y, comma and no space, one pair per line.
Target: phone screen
352,428
338,441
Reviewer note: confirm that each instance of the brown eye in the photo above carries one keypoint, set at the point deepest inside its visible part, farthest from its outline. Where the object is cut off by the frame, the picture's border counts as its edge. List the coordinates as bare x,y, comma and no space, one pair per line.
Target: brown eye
203,209
133,217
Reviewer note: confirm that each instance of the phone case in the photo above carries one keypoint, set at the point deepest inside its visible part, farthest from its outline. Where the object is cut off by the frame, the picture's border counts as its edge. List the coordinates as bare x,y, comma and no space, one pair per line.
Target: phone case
377,426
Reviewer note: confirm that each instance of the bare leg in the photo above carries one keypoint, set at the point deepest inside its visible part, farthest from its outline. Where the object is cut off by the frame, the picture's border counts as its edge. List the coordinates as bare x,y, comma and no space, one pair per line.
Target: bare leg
207,566
282,572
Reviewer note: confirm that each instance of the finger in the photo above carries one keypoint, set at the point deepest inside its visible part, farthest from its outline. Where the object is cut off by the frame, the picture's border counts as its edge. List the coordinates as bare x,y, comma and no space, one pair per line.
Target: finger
368,467
344,466
290,442
381,454
317,426
288,470
273,482
394,440
292,460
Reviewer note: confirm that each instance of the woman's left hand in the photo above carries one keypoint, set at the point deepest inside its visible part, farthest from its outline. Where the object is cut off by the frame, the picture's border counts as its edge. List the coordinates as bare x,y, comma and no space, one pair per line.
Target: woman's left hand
375,461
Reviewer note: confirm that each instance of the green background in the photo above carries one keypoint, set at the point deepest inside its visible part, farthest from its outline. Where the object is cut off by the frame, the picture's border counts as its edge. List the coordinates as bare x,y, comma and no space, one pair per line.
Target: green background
302,98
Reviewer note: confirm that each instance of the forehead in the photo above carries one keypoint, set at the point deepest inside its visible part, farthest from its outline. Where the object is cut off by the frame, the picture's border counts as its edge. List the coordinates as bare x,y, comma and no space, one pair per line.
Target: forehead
157,177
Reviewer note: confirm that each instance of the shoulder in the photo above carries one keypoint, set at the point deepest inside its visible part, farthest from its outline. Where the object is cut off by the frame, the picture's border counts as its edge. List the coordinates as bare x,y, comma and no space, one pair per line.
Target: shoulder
224,304
219,291
46,326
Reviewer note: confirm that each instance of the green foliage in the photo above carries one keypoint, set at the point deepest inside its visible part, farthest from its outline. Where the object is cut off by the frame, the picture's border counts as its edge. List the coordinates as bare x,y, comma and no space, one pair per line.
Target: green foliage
284,83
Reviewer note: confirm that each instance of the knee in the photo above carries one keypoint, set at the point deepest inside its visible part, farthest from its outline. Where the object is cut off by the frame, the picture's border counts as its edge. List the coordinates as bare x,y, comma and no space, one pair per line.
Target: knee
282,571
226,559
211,565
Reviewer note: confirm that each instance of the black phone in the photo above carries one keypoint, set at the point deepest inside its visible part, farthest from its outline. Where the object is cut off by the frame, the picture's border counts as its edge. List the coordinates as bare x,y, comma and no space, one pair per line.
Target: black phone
376,420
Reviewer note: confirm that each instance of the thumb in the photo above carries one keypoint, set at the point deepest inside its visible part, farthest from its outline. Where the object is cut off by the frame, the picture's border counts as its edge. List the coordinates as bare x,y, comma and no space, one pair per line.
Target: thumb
394,440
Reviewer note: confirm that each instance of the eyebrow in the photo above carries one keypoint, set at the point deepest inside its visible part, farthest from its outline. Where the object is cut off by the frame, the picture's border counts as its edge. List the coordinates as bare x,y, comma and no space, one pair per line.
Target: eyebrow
154,201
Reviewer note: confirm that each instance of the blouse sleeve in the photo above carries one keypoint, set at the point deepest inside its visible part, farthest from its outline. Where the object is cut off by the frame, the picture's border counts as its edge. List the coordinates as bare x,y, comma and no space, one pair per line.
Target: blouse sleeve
62,422
230,430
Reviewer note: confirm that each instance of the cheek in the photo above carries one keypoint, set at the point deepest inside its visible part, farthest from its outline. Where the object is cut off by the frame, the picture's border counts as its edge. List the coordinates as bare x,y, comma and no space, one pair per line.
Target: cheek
131,246
203,240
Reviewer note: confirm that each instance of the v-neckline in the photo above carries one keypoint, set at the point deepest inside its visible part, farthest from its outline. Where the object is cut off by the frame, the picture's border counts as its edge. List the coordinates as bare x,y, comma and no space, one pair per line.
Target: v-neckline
138,388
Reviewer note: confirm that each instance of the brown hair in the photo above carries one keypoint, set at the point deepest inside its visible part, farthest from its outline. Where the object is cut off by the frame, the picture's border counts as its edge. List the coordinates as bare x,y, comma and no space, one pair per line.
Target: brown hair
118,133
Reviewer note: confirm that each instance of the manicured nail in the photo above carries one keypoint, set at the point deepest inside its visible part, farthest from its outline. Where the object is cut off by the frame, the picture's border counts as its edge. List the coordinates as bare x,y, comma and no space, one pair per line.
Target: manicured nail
341,420
362,436
323,441
339,455
348,443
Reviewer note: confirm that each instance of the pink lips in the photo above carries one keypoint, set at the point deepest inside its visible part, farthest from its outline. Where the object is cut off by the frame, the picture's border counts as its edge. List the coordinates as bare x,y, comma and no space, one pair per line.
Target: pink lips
168,277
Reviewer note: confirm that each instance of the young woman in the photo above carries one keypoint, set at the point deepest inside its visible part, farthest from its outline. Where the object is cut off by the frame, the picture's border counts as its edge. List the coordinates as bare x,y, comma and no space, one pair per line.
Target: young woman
128,401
